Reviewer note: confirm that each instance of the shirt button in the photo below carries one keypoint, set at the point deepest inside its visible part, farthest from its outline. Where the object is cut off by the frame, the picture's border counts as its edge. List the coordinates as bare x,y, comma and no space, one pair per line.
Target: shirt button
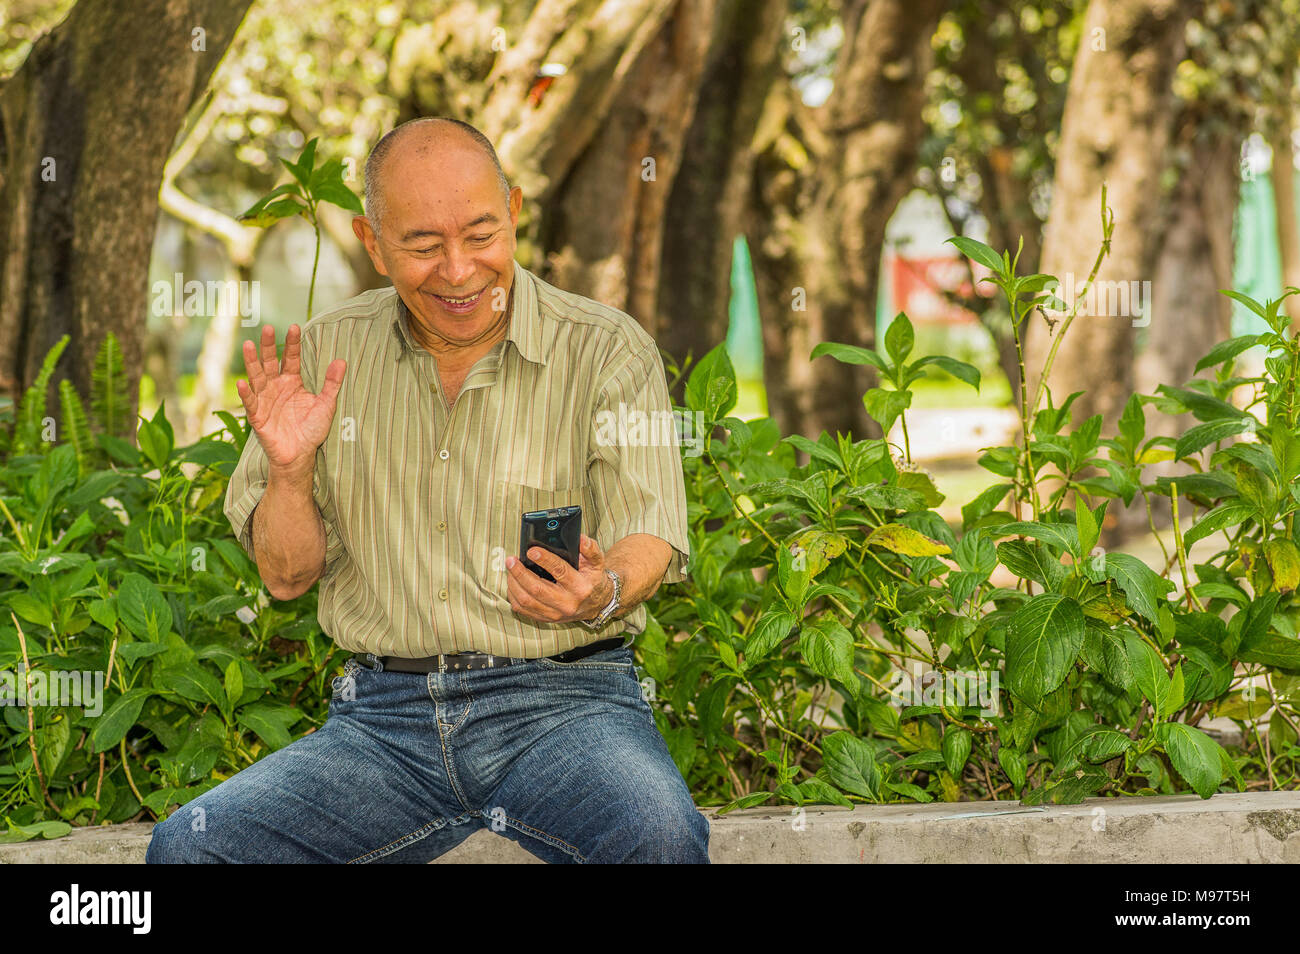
442,594
444,454
442,526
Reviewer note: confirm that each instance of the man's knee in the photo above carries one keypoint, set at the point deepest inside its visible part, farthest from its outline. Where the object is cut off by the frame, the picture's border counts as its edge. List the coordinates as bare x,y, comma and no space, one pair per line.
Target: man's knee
183,838
668,834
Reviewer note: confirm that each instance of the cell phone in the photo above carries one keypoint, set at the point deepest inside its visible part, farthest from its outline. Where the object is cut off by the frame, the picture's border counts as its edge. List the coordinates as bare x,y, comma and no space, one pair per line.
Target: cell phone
558,531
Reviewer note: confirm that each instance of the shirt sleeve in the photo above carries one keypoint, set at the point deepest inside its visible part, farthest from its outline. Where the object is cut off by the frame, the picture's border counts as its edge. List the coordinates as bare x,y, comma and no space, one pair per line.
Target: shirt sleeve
248,482
635,463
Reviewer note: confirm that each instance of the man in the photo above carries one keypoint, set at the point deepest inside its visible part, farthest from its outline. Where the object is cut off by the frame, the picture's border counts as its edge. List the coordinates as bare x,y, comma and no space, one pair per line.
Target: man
449,405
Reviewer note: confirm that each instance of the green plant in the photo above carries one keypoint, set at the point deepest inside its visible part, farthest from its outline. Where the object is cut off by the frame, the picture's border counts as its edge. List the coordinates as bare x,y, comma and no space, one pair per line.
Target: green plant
814,587
311,186
119,561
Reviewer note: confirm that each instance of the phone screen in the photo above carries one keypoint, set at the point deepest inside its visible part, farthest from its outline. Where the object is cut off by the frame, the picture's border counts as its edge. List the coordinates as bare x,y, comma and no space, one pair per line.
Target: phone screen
558,531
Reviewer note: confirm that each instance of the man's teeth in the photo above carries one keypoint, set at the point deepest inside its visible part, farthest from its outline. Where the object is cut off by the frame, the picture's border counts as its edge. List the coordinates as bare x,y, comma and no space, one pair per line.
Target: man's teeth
460,301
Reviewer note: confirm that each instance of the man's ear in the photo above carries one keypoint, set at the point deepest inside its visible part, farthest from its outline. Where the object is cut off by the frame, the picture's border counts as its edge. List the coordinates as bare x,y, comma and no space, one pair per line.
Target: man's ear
516,203
361,228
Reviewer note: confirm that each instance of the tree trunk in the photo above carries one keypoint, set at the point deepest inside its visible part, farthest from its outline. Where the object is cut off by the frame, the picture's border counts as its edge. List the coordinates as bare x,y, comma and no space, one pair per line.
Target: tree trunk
706,207
1288,232
1116,130
86,125
604,226
873,125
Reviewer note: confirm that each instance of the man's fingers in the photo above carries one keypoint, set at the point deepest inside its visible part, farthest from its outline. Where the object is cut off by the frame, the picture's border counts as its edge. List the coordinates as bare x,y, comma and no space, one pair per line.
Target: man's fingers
248,396
252,365
292,351
556,566
270,363
333,379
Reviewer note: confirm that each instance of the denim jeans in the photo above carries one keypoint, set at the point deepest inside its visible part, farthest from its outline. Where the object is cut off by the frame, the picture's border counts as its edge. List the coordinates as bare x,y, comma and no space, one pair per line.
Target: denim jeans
563,758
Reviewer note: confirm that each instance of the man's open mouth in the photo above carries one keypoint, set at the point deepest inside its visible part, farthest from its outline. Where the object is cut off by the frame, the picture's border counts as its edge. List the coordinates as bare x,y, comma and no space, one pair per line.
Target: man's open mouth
462,301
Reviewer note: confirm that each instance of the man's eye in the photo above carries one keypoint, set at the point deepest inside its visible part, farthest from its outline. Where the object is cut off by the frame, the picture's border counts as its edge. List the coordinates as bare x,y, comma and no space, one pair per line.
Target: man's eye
480,238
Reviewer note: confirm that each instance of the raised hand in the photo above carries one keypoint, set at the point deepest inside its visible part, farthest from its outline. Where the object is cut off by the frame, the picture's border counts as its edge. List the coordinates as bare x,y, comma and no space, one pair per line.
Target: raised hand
290,422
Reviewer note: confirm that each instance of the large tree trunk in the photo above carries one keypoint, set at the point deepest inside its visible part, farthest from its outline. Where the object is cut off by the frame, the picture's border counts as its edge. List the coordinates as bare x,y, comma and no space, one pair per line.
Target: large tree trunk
1288,230
873,127
604,227
707,206
1117,127
86,125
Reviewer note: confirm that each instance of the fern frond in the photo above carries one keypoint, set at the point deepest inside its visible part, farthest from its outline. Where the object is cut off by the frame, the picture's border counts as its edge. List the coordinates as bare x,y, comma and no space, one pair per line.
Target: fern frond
108,394
31,412
76,430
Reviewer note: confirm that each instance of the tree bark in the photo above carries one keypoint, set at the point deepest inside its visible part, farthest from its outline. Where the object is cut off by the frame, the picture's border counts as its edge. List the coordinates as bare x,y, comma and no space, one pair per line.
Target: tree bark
1116,130
86,125
706,207
1288,231
872,126
603,229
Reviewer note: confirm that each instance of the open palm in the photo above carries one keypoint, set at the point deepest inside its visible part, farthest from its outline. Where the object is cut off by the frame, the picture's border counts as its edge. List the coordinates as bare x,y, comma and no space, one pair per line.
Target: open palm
290,422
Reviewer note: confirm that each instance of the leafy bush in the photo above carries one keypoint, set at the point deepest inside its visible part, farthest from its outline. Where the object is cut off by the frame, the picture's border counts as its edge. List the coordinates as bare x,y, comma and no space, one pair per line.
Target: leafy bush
119,561
814,587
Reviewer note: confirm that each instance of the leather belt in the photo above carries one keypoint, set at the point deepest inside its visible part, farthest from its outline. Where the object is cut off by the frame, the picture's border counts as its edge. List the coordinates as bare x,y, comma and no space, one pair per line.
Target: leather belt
459,662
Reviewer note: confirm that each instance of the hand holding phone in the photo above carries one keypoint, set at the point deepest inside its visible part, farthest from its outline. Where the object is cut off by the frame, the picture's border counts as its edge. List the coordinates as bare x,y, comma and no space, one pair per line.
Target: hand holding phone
559,531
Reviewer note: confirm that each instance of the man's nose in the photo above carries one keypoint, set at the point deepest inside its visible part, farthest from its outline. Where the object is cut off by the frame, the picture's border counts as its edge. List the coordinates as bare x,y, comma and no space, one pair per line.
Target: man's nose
457,268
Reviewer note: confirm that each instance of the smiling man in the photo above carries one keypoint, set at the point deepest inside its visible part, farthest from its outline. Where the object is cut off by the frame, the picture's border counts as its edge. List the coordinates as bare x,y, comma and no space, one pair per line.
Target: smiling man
397,445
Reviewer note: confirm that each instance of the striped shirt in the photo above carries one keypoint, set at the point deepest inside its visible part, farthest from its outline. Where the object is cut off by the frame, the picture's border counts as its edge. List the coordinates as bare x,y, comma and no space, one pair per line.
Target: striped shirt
421,501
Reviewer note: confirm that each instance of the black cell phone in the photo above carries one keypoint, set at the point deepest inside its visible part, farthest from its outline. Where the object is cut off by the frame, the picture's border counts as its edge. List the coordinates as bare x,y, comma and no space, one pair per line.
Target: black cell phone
557,530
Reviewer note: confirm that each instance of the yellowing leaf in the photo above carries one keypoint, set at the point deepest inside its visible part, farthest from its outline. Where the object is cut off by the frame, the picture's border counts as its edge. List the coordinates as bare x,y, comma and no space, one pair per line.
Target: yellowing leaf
900,539
1284,561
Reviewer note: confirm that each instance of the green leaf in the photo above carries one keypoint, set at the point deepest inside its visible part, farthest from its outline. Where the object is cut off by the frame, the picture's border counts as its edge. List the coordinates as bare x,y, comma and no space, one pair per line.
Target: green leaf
956,749
827,647
1062,535
711,387
851,354
269,721
984,503
887,497
143,609
1220,518
1044,637
1225,350
906,541
1015,764
1030,560
958,369
1144,587
115,721
885,406
980,252
900,338
193,682
1195,756
851,765
1203,435
771,629
1148,670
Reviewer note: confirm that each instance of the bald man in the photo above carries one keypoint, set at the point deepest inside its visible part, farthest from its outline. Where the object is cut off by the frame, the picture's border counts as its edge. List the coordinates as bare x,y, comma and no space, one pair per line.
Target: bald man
398,443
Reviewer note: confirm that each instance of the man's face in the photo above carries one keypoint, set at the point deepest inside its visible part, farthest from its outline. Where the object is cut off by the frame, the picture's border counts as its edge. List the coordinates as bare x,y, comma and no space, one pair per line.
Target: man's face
447,233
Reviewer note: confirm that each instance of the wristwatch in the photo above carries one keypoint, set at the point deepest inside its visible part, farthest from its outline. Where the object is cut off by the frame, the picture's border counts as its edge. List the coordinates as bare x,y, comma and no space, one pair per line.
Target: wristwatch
610,608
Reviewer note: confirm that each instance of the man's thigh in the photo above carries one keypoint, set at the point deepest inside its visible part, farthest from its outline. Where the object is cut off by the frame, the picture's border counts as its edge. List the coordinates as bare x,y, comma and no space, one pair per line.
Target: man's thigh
368,786
598,784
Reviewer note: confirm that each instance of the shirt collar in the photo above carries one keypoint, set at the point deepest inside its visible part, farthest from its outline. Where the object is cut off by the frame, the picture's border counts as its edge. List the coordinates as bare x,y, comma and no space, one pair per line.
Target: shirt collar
531,331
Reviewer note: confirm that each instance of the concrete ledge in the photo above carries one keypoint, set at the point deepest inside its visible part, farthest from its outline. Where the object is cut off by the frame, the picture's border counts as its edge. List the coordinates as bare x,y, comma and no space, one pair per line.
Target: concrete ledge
1235,828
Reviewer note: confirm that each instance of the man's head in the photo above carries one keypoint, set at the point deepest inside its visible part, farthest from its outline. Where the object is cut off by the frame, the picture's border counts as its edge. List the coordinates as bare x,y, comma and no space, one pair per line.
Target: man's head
440,222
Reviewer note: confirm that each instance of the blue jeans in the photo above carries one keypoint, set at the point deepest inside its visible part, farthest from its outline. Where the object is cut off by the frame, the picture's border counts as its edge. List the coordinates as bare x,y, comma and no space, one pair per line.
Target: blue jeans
563,758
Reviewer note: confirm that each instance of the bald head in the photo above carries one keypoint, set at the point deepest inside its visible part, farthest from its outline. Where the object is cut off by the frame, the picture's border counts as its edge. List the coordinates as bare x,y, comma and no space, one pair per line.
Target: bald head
426,137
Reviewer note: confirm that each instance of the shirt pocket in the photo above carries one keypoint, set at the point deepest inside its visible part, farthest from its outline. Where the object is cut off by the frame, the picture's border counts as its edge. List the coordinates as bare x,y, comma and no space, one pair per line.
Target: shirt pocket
510,501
